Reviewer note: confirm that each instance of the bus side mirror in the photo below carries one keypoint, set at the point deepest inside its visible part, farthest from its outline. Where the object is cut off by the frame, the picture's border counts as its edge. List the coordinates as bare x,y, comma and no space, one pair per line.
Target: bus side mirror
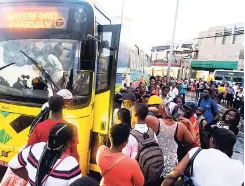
88,54
105,44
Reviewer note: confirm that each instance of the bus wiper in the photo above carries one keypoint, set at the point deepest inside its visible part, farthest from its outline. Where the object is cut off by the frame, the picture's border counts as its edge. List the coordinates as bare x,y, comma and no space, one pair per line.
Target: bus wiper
1,68
45,74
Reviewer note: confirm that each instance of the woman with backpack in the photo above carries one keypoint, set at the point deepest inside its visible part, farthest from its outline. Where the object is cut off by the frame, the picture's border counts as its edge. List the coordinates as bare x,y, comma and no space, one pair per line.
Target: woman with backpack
171,134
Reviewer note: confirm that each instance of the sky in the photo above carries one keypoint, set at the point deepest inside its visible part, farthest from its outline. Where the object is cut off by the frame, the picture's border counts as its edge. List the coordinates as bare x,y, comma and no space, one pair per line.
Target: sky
152,20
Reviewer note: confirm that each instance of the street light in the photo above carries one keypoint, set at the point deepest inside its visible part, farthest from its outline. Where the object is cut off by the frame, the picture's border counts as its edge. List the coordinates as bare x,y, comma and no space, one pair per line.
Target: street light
172,43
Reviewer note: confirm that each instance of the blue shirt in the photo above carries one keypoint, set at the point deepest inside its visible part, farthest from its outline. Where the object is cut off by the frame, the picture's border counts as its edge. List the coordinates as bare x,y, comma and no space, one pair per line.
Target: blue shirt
231,90
183,88
206,104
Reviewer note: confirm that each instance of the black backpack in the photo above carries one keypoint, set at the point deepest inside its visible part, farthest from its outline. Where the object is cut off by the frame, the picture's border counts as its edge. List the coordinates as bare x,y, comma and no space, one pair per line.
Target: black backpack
204,135
150,155
42,116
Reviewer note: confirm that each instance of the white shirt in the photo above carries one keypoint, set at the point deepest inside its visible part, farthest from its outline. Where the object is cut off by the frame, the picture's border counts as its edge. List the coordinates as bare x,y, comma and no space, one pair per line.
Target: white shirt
235,88
214,168
166,100
63,175
54,61
173,93
131,149
115,115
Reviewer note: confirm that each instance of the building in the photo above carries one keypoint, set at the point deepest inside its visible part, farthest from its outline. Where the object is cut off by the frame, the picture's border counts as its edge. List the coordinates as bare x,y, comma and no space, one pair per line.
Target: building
220,48
182,53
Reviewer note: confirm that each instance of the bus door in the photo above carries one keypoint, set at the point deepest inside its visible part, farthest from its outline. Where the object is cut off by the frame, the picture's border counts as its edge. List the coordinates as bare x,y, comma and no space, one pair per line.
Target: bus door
105,78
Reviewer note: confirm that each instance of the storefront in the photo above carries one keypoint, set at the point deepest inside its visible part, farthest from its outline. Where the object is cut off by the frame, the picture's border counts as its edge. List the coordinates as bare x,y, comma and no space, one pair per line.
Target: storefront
203,69
214,65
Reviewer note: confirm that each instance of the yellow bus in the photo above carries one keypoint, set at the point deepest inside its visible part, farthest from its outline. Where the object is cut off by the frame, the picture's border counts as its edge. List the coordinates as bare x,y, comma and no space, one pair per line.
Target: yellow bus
50,45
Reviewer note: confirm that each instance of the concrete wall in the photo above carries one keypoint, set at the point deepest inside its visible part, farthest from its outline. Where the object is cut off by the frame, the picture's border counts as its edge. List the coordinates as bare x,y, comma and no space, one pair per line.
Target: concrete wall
213,49
241,64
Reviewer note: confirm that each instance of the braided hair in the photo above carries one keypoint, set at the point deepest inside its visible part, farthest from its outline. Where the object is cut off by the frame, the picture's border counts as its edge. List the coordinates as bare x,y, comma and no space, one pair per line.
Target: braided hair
59,137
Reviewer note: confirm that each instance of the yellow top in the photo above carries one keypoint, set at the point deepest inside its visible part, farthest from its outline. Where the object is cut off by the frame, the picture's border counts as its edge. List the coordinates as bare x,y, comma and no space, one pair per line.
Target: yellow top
221,89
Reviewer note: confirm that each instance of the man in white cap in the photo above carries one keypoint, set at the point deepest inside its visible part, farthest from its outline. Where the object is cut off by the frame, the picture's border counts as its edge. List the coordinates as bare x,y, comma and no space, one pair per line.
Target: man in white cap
67,96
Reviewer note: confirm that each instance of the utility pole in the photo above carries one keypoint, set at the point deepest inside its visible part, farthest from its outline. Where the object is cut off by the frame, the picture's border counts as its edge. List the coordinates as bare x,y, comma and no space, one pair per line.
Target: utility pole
122,14
172,43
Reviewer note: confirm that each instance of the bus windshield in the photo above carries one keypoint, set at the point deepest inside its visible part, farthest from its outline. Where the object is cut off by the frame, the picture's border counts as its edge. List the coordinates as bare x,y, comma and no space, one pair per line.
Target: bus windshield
229,76
51,34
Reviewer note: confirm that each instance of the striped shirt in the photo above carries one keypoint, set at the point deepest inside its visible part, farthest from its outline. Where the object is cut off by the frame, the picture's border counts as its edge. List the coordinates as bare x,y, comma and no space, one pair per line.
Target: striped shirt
63,175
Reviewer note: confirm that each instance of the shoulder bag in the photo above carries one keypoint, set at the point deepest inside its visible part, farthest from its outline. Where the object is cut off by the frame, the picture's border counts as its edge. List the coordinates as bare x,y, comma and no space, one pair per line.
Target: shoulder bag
186,177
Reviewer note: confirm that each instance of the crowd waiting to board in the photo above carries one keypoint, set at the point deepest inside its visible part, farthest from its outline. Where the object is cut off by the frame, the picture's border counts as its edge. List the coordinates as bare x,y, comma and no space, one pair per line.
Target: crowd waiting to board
155,136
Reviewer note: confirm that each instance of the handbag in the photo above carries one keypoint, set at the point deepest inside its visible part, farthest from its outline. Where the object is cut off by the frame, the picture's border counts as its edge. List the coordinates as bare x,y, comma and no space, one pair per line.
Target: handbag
186,176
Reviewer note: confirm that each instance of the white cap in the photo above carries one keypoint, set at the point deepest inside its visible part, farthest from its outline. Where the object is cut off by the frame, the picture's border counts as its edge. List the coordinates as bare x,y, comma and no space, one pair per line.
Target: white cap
66,94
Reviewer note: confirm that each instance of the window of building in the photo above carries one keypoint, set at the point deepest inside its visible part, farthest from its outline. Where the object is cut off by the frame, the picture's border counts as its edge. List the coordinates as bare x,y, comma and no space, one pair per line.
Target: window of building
227,33
218,34
153,49
237,32
160,48
187,46
241,55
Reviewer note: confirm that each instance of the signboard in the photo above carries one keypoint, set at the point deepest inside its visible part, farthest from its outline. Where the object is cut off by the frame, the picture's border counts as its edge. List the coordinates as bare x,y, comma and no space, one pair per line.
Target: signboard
18,17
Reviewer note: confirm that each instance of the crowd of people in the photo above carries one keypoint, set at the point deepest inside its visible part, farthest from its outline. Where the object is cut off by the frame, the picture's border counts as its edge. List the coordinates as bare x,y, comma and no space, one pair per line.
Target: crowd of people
229,94
155,136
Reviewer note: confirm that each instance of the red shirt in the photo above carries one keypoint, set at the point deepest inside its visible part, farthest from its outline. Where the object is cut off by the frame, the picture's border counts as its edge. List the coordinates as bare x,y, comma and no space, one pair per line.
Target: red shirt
196,129
41,133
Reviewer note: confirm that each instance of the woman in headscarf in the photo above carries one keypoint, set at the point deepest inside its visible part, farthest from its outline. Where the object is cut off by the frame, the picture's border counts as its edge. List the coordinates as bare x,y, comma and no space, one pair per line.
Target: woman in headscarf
171,134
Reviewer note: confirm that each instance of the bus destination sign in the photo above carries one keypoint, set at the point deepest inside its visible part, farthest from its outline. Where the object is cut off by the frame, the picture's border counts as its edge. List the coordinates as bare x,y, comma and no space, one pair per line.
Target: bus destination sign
36,17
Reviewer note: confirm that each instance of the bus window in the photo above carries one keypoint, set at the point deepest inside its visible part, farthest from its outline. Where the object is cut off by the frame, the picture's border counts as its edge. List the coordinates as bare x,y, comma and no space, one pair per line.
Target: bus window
81,89
102,76
218,78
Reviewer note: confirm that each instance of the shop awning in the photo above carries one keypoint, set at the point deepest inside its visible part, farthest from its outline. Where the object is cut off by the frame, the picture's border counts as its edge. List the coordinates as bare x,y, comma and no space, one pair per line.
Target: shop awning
231,65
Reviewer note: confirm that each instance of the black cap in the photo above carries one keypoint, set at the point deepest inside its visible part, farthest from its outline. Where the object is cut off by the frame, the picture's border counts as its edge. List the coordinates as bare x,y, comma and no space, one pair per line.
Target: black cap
118,97
190,106
129,96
